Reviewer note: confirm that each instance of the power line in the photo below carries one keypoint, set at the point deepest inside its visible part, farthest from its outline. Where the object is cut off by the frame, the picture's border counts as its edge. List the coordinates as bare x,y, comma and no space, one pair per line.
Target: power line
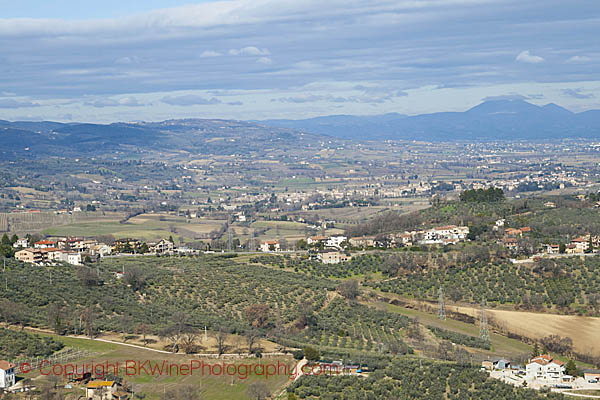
442,305
483,324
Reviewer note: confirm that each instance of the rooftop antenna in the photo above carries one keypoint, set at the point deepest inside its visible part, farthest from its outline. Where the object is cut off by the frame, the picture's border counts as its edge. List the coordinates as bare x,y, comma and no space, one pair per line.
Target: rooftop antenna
442,305
483,325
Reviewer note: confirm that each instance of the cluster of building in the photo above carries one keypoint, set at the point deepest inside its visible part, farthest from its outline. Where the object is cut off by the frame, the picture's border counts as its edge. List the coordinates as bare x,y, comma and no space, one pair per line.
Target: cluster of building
443,235
74,250
579,245
541,368
510,240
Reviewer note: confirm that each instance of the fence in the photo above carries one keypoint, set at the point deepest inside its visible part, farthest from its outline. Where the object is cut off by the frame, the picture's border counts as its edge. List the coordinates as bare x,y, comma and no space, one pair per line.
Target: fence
61,357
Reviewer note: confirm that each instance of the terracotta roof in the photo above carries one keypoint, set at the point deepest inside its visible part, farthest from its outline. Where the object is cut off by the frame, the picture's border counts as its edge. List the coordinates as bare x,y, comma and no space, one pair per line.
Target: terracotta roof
6,365
99,384
271,242
545,359
525,229
45,242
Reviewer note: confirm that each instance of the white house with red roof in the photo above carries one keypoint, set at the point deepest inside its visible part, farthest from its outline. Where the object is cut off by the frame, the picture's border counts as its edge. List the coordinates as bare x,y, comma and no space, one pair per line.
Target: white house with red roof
270,245
7,374
544,367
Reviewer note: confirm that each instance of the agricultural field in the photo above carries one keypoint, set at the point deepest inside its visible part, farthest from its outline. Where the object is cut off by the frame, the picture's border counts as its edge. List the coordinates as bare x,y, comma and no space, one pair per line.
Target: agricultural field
584,331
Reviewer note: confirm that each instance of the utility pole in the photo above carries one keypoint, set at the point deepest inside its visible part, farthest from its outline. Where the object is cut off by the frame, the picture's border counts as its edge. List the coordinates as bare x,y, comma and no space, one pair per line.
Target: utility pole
483,326
441,305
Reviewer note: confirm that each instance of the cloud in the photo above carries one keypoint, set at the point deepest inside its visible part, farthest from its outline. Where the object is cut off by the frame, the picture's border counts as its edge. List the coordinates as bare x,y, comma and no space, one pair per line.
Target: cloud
249,51
578,60
465,47
127,60
300,99
576,94
130,102
264,60
527,57
210,53
190,100
235,103
13,103
365,98
109,102
512,96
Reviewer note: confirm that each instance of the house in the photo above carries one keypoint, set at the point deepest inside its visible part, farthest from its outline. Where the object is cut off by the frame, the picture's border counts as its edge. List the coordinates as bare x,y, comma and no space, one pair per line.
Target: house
73,258
488,365
100,390
7,374
269,246
332,257
513,232
550,204
363,241
101,250
43,244
581,243
29,255
405,239
316,239
510,243
501,364
21,243
591,375
552,248
163,246
544,367
335,241
122,244
571,249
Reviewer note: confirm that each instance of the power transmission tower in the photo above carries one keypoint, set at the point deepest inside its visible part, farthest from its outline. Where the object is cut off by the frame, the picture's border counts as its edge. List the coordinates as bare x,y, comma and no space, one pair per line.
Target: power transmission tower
483,325
442,305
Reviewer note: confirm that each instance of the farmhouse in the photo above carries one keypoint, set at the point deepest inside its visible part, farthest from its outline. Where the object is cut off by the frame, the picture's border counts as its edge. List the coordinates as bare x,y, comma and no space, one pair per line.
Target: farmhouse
7,374
332,257
581,244
101,250
335,241
270,246
443,235
163,246
100,390
363,241
21,243
316,239
544,367
591,375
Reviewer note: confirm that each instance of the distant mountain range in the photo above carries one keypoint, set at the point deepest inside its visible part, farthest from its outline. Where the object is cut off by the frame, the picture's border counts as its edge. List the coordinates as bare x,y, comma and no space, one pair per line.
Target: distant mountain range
193,136
490,120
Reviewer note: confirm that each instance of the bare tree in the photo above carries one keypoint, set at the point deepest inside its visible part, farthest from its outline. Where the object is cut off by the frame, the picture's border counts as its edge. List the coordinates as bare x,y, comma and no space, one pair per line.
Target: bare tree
189,341
143,330
258,391
252,336
221,337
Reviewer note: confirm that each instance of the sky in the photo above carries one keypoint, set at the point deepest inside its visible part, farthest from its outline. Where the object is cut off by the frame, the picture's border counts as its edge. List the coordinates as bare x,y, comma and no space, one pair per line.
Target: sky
262,59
